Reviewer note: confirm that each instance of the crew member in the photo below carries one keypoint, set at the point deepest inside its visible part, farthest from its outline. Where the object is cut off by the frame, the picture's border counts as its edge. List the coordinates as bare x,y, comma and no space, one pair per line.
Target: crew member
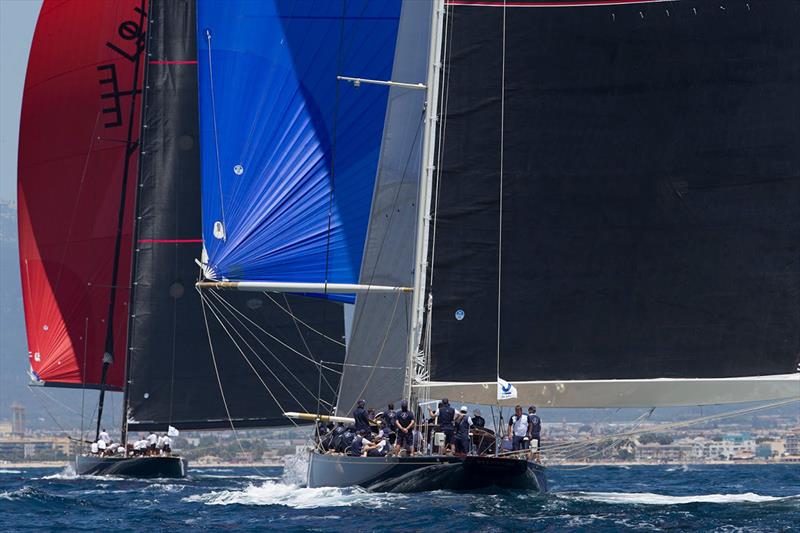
140,447
357,448
519,430
348,437
361,417
405,427
377,448
104,436
446,417
336,441
152,440
462,431
535,426
390,416
477,420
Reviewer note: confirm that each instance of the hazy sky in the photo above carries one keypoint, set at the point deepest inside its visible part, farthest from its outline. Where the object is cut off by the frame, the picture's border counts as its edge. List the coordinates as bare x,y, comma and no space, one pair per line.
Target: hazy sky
17,20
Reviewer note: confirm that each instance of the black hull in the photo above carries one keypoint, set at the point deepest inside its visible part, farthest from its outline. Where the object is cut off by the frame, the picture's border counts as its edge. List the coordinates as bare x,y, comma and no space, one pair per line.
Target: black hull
420,474
156,466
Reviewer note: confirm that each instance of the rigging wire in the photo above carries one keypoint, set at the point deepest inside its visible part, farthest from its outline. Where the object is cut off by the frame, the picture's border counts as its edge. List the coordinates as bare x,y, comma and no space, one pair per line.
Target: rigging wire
216,137
322,376
219,381
448,44
276,339
223,321
676,425
380,353
297,319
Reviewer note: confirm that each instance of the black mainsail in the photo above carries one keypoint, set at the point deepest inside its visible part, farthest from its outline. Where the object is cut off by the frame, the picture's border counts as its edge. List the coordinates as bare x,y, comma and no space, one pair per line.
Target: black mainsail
618,198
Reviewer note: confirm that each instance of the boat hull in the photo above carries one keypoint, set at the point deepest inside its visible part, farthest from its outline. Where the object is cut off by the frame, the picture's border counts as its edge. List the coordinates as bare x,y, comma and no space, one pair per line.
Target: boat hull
155,466
418,474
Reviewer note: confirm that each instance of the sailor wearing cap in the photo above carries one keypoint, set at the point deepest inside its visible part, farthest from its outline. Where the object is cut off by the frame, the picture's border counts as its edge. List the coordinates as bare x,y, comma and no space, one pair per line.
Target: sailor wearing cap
361,417
405,427
462,431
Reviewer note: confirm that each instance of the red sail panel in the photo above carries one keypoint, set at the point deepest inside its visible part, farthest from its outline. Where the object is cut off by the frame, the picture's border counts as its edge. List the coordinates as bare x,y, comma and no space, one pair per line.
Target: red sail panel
78,157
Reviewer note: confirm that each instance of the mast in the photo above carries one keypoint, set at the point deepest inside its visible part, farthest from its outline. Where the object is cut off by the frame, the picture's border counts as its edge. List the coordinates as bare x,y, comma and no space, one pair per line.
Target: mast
425,191
135,249
132,148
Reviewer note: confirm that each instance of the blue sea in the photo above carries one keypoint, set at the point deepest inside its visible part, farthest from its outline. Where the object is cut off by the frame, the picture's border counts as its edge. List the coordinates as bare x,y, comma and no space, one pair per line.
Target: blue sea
600,498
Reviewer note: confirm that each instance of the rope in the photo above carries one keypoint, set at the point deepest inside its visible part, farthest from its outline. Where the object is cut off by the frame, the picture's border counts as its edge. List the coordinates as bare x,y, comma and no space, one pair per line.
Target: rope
380,352
216,137
296,319
230,306
322,376
674,425
219,381
222,321
304,356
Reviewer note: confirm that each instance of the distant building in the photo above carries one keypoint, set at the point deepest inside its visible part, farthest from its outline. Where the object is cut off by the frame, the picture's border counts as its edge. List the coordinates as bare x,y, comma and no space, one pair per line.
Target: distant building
18,448
792,443
663,453
17,419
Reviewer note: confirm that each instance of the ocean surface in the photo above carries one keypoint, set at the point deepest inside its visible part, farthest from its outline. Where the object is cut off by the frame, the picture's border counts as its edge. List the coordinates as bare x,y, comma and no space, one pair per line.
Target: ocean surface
601,498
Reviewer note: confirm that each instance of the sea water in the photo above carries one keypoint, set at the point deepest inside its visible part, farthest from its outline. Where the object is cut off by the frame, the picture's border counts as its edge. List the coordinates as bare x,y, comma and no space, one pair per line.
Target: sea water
598,498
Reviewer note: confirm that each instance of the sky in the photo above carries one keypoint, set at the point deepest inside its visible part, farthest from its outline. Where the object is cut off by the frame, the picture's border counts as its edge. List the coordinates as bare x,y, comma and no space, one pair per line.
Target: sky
17,21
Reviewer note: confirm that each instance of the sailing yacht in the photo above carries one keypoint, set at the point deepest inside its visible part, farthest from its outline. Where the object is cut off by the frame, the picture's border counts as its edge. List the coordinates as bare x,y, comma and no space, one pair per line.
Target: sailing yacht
595,201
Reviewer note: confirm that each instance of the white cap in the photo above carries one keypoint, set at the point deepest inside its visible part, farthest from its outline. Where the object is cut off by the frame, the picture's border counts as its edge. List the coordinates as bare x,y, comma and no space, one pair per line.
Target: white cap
464,409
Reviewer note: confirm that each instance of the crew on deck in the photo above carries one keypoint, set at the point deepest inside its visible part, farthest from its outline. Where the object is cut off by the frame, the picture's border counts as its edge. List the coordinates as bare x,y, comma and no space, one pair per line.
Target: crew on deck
361,416
405,426
519,429
535,426
458,432
390,416
461,437
446,418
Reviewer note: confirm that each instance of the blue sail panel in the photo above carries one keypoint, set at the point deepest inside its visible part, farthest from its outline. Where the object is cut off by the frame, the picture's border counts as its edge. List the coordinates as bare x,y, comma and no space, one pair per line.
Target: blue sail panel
289,154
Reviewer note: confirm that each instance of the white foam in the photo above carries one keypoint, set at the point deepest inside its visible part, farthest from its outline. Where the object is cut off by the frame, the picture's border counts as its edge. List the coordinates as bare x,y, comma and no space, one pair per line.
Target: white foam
295,469
272,493
649,498
3,471
67,473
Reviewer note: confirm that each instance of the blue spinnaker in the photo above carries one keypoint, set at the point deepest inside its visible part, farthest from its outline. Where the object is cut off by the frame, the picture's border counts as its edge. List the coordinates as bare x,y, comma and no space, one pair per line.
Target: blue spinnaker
289,154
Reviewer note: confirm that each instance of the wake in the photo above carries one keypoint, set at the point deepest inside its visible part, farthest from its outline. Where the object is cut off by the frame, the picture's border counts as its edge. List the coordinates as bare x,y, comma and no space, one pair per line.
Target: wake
649,498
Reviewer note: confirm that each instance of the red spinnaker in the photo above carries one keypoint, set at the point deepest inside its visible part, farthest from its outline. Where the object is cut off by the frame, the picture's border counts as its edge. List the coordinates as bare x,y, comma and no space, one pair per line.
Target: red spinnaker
78,158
